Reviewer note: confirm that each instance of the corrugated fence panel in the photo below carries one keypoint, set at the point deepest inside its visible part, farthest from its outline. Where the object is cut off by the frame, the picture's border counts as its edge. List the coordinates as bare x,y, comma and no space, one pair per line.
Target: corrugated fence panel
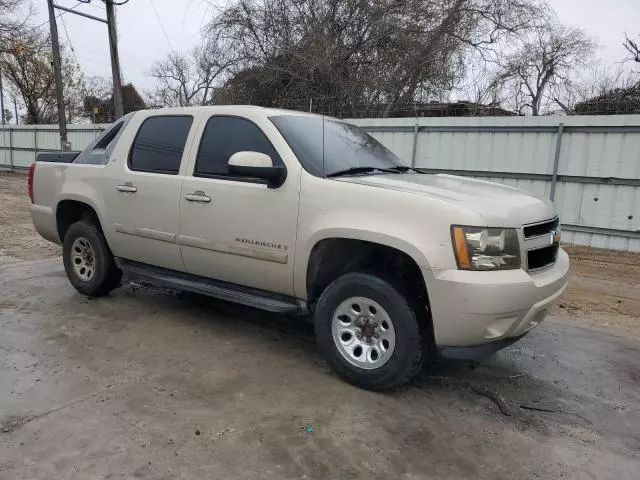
5,153
50,139
609,149
26,140
597,193
81,137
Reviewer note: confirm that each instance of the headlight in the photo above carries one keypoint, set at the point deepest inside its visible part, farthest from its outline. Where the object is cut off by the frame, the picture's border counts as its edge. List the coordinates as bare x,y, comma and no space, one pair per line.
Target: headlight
479,248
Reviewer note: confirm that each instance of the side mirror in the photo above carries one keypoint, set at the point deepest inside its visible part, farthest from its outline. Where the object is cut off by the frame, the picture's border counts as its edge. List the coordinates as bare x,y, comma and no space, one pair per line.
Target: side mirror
257,165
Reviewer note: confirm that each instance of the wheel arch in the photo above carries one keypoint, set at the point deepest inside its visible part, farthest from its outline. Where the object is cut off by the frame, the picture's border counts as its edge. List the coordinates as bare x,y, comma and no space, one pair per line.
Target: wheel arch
332,257
71,210
305,257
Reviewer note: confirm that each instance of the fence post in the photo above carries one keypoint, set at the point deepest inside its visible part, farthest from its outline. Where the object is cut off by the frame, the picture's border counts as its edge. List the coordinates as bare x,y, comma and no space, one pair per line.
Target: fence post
10,149
556,161
415,143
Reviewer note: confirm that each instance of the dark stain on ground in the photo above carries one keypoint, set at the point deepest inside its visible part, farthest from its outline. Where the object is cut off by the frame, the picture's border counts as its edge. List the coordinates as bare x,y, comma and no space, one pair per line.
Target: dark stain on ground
11,423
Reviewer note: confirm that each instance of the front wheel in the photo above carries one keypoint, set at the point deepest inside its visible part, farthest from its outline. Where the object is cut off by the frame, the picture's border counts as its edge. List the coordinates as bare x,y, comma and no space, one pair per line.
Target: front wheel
369,332
88,261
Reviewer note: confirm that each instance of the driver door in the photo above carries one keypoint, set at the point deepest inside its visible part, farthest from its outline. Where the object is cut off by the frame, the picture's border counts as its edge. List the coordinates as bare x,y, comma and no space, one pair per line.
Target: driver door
234,228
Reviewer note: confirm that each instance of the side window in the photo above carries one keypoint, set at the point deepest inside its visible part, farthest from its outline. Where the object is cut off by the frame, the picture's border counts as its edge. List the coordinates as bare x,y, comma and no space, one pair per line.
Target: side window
159,144
97,153
108,137
224,136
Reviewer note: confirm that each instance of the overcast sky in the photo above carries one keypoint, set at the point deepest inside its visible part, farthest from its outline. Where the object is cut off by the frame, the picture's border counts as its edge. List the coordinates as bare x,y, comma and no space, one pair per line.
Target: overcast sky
149,29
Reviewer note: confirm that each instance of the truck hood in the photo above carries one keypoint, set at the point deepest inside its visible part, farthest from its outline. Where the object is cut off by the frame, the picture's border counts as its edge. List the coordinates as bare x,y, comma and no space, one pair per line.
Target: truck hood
499,205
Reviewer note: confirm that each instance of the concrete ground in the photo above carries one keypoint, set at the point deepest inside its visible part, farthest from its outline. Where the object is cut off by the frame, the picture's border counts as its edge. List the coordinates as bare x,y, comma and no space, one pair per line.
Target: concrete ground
147,383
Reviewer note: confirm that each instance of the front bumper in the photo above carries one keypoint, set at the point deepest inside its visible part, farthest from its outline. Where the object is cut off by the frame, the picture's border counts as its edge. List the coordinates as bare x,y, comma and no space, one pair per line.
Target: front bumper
477,353
476,308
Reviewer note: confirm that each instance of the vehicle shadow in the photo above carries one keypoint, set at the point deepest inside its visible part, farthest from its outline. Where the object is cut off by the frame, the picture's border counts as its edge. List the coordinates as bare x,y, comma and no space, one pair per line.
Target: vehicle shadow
504,386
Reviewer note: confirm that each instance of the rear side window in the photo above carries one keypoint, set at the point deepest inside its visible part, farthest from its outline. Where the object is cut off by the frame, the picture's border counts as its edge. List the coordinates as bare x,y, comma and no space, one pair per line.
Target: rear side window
108,137
224,136
98,152
159,144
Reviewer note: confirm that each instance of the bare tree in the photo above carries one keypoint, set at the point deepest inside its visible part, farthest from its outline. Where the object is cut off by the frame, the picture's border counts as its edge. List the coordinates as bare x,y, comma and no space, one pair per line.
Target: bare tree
26,65
544,62
480,85
346,53
97,98
14,15
188,79
596,81
633,48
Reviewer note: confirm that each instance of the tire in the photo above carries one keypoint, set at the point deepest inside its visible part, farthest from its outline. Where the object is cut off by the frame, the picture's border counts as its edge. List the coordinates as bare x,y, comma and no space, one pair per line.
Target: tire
405,339
84,245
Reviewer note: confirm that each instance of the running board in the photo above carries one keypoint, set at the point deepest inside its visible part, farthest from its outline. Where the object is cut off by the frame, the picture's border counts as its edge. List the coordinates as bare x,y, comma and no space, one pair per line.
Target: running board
251,297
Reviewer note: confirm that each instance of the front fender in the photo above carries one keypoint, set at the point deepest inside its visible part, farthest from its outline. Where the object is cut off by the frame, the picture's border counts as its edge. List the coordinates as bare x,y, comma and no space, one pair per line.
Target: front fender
303,253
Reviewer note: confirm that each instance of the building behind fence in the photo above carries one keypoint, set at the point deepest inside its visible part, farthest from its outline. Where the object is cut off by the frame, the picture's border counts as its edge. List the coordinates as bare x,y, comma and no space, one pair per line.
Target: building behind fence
588,165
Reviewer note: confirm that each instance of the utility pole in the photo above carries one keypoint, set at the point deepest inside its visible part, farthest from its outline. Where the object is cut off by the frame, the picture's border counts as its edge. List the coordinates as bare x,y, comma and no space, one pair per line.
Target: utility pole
15,109
118,107
57,72
118,104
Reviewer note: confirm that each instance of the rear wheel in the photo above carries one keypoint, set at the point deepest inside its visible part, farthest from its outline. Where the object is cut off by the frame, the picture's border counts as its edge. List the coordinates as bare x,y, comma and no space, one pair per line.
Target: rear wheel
88,261
369,331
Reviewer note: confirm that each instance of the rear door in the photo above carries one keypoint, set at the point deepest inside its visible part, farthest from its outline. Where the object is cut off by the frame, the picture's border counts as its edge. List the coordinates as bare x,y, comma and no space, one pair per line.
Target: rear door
143,191
234,228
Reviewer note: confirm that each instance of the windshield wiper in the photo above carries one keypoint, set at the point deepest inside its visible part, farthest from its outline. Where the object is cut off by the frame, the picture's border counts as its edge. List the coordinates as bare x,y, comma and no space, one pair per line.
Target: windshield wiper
356,170
404,168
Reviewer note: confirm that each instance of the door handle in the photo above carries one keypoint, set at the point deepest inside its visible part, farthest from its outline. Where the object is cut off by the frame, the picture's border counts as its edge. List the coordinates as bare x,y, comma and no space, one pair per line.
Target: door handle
127,187
197,196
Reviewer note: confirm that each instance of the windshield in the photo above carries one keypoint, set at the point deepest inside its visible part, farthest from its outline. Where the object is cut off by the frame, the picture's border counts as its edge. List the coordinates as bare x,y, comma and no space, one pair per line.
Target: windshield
345,146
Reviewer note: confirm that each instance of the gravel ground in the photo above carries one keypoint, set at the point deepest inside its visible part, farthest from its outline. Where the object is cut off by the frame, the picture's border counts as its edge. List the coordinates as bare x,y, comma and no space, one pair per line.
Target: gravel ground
18,239
149,384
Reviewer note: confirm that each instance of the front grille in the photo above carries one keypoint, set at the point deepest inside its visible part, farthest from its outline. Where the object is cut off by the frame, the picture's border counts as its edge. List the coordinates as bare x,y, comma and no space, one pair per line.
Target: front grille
541,243
542,257
541,228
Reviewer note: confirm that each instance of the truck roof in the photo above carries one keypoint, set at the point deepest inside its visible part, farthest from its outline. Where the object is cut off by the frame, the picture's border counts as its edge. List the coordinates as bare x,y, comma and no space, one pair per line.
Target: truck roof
230,109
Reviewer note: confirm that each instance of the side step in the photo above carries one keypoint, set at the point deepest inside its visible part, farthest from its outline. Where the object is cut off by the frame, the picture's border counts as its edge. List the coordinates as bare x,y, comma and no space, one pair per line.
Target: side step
251,297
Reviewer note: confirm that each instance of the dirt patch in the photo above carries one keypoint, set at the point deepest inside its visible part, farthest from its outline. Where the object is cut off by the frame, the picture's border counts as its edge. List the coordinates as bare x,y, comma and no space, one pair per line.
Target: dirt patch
18,239
147,370
604,289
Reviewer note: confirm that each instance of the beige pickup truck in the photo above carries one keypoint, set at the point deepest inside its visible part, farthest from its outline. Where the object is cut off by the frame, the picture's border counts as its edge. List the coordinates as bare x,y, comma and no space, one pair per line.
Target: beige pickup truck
302,214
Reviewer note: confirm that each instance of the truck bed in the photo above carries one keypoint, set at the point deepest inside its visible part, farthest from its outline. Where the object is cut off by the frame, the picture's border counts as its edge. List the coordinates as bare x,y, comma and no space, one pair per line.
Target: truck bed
57,157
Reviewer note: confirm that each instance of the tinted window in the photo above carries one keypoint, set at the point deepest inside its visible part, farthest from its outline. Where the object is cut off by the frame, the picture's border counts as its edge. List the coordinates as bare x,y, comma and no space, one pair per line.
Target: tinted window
224,136
108,136
159,144
99,151
326,146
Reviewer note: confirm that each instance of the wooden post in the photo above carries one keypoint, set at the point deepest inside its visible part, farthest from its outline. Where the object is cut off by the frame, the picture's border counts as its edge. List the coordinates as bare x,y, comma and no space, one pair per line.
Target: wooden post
118,107
57,71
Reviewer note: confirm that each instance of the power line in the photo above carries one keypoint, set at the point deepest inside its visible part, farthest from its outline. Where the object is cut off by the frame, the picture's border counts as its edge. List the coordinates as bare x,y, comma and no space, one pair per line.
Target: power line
64,25
161,25
57,16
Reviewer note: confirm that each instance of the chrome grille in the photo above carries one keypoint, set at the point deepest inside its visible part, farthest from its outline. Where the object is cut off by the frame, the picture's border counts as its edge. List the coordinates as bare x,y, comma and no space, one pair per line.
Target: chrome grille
541,242
537,229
